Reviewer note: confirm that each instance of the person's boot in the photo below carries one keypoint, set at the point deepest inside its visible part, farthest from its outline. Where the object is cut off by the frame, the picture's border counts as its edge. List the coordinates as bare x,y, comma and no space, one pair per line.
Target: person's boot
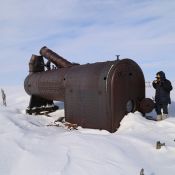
164,116
159,117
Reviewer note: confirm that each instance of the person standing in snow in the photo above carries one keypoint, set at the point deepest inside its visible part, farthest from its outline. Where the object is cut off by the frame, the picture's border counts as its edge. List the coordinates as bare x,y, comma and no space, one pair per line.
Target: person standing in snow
162,95
3,97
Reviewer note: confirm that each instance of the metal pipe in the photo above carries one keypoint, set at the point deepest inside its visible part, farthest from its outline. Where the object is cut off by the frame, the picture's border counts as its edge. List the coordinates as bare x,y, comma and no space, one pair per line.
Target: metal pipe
55,58
36,64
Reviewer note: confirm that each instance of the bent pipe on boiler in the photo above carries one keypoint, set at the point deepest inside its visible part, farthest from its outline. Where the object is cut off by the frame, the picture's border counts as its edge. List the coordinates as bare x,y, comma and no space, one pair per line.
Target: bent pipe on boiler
55,58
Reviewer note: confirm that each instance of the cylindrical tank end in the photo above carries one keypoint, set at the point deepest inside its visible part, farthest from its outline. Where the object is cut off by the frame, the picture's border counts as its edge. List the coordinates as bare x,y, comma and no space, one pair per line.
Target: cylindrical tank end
146,105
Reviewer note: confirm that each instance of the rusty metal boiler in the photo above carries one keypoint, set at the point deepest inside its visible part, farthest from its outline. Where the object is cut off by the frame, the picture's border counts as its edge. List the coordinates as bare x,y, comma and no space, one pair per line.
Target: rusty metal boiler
95,95
99,95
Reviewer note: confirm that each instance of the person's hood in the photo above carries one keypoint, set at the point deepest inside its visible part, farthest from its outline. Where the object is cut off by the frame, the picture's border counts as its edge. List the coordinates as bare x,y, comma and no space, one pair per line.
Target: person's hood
162,74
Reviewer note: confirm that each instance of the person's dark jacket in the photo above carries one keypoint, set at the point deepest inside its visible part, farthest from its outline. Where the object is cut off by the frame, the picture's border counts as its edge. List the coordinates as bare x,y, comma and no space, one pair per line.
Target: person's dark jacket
163,89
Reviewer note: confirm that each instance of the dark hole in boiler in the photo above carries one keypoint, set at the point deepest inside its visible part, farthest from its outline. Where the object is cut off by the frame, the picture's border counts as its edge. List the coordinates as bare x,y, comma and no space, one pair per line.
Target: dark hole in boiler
130,106
104,78
64,79
130,74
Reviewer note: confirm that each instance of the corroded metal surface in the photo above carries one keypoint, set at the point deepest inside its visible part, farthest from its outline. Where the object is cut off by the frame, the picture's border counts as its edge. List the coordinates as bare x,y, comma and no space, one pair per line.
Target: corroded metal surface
95,95
47,84
127,89
146,105
87,96
36,64
100,94
54,58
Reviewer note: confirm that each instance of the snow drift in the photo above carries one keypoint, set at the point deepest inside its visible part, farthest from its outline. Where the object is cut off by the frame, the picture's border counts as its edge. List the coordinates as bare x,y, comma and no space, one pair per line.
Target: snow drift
29,146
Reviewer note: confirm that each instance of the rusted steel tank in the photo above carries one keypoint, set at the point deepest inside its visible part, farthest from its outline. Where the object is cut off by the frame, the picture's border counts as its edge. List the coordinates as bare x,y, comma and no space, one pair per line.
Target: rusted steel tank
99,95
95,95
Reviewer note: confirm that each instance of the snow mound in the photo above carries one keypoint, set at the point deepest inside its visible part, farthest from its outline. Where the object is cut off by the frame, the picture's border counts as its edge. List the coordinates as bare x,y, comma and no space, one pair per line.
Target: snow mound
29,146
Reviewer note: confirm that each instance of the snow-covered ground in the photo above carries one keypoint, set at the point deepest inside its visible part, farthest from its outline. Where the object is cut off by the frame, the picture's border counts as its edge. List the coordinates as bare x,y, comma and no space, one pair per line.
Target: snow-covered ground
29,147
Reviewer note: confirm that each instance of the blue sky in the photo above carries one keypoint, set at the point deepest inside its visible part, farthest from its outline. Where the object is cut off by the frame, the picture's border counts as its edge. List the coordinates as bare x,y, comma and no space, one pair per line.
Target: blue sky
86,32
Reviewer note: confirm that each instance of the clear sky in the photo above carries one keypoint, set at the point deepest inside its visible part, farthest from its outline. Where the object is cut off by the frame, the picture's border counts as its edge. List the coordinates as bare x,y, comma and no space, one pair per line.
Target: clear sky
87,31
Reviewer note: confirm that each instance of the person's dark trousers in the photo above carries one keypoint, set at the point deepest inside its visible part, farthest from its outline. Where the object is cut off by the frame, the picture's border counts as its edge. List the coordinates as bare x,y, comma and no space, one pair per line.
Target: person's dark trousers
158,108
